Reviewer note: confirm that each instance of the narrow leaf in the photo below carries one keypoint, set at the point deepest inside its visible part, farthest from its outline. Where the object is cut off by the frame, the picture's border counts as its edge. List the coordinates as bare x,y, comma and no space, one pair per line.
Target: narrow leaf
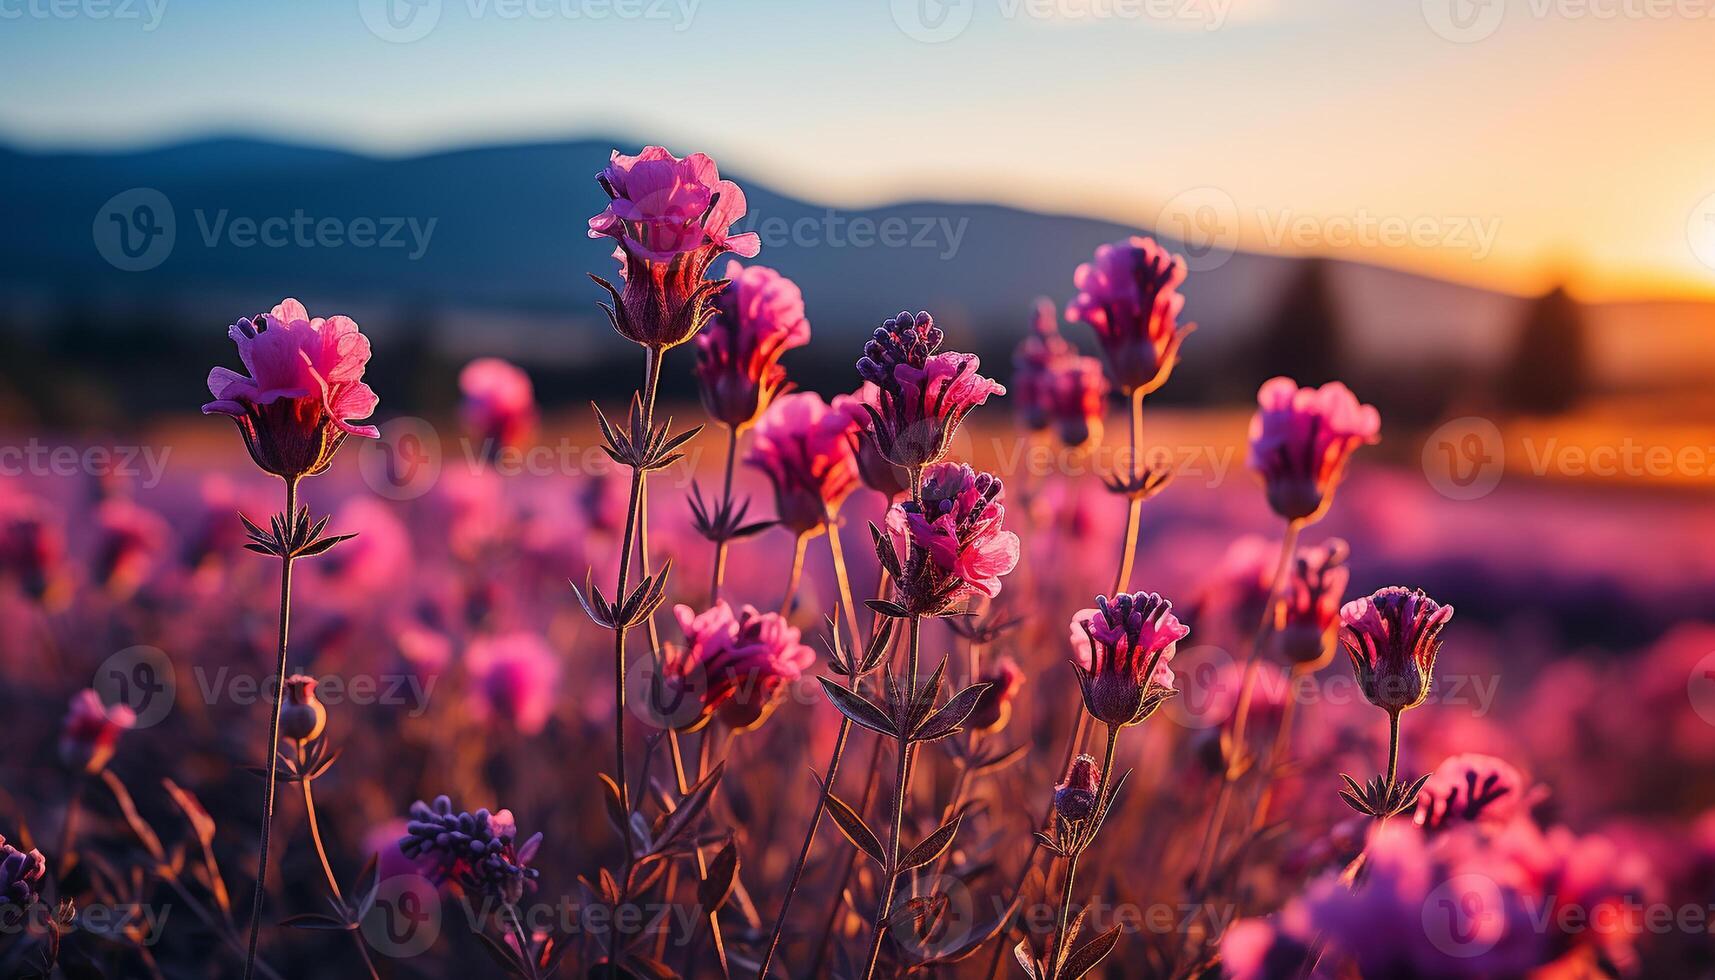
861,711
855,829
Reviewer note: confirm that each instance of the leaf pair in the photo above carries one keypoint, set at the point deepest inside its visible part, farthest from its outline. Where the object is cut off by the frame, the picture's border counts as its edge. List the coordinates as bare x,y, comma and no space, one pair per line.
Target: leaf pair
1081,961
1378,798
637,607
852,825
841,662
638,446
725,521
290,537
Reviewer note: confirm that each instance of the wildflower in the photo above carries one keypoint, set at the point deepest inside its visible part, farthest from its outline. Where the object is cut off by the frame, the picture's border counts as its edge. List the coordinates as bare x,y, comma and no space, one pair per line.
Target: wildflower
1300,440
994,706
805,448
1075,799
303,716
475,851
20,875
670,218
91,731
515,679
952,540
1076,395
499,403
877,471
735,666
1470,787
758,317
1128,295
131,540
304,391
1124,647
1033,363
32,547
1308,618
923,392
1392,637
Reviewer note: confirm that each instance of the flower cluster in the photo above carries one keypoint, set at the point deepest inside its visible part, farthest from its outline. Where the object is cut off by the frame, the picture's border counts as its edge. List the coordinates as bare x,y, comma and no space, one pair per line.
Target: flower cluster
734,666
1300,440
923,393
806,450
1124,647
758,317
478,851
951,539
1129,295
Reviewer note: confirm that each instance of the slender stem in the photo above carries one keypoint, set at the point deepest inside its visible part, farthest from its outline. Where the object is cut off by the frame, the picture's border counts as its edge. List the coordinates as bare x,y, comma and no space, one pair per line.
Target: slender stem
1058,950
273,734
651,380
526,949
327,869
719,575
704,748
901,789
1392,747
1134,509
795,575
68,831
1277,752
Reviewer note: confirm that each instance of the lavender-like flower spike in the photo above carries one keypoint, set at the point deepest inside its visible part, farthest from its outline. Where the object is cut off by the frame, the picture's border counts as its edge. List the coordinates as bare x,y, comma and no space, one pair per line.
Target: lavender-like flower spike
924,392
1393,637
1124,647
20,875
475,851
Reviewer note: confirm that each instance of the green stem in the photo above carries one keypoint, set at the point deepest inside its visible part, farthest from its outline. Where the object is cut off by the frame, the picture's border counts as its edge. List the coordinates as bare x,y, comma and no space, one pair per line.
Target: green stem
901,789
322,855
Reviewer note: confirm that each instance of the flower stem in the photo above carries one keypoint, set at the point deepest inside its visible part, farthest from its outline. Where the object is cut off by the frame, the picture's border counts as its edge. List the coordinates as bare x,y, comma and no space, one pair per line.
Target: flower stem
901,789
795,575
1134,509
651,380
719,574
327,869
1277,753
273,734
1058,950
1392,747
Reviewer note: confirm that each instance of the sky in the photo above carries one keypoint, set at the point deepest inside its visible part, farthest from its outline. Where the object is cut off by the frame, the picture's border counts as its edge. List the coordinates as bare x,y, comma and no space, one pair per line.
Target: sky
1508,143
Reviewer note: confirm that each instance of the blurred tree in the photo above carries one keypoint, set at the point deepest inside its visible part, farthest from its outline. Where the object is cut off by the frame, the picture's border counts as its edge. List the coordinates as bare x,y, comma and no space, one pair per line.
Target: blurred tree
1549,368
1301,339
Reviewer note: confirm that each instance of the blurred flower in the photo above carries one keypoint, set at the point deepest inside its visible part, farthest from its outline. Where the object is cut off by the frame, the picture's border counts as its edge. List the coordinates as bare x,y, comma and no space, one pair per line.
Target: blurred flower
1300,440
499,403
515,679
805,449
994,706
1470,787
1308,616
304,390
20,875
1076,396
32,547
1392,637
475,851
372,565
91,731
951,546
302,716
758,317
877,471
924,393
670,218
1124,648
1128,295
1033,362
1075,799
130,540
735,666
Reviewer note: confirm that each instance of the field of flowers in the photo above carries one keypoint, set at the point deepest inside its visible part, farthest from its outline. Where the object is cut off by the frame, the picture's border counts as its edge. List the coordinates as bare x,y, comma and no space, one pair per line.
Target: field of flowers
936,677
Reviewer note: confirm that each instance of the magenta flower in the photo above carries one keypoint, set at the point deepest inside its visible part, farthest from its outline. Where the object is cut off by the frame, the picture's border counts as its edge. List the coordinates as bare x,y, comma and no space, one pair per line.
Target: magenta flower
671,218
514,680
952,541
499,403
806,450
1128,295
1124,647
994,705
91,731
32,547
924,393
1473,788
1308,616
1393,637
1032,364
1300,440
877,471
304,391
758,317
130,543
733,666
1075,395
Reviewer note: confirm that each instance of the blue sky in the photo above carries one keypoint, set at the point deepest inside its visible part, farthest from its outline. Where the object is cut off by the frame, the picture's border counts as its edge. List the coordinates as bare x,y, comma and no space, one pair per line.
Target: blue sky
1577,131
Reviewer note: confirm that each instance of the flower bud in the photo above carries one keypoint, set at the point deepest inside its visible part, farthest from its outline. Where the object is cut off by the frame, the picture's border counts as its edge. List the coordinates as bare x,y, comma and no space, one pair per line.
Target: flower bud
994,705
302,715
1393,637
1075,799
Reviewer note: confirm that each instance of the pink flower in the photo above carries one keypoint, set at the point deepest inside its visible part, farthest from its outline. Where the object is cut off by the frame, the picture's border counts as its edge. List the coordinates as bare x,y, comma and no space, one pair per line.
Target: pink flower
499,404
1470,787
1033,362
806,450
1300,440
994,706
1309,614
877,471
758,317
515,679
952,541
1128,295
671,218
923,392
91,731
1123,649
736,666
1075,395
1393,637
130,542
32,547
304,390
